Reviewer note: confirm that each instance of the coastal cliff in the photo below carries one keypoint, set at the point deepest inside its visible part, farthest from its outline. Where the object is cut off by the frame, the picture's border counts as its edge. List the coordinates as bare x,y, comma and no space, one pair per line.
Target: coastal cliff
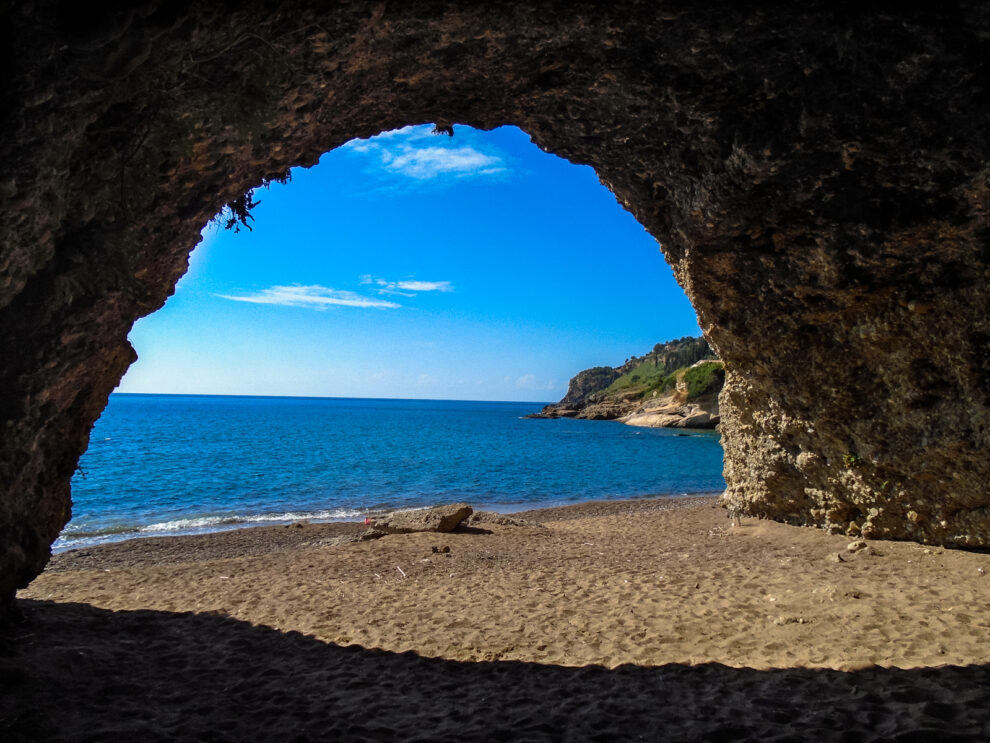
675,385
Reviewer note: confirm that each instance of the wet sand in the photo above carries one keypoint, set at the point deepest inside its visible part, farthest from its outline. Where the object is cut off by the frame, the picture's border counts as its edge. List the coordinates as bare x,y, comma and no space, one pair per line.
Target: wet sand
648,619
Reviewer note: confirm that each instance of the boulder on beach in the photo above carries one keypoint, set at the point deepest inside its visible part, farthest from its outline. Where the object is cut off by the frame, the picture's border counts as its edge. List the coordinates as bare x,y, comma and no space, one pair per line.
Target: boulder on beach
438,519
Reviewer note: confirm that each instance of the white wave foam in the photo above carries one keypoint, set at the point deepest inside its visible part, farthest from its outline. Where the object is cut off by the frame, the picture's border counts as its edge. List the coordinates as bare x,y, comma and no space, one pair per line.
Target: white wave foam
337,513
183,524
205,522
74,538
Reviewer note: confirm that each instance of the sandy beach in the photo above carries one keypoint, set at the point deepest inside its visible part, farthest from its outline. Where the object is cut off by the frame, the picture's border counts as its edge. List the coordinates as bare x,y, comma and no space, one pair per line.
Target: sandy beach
652,619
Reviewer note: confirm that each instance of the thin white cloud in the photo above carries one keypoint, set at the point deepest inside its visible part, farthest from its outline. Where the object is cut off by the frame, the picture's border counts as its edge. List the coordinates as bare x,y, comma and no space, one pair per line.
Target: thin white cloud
429,162
314,297
406,287
425,286
415,153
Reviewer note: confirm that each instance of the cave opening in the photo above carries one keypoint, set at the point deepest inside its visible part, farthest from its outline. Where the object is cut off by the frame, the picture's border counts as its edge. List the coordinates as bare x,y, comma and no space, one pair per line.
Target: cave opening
407,266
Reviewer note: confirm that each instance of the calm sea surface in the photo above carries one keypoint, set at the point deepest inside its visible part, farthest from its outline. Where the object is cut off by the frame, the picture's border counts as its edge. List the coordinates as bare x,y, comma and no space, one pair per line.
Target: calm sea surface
175,464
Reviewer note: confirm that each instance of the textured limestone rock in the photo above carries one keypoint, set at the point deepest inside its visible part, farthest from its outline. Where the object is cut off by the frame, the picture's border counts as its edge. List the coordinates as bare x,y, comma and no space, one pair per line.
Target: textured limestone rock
441,519
818,179
675,414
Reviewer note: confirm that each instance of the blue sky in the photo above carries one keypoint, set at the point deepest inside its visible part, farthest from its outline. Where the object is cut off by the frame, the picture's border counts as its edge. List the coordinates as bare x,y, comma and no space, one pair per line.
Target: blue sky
411,265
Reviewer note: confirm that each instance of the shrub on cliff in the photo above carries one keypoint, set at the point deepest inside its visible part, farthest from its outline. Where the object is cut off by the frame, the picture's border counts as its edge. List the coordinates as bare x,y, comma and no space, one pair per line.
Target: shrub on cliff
645,374
707,377
639,379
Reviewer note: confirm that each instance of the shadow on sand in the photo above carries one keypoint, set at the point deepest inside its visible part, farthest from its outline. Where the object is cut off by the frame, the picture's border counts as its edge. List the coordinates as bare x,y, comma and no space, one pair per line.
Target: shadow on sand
75,672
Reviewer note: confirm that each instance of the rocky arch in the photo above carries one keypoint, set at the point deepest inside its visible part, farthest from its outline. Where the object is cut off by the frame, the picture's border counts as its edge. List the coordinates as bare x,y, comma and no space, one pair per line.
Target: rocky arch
818,181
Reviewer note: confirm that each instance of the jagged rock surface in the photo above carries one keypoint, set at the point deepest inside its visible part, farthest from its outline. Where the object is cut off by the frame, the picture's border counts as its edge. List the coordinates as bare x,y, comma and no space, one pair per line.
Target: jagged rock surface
674,413
441,519
586,383
818,179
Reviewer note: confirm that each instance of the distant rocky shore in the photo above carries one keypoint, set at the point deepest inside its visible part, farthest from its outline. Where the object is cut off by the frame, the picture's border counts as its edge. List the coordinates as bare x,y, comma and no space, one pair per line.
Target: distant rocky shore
675,385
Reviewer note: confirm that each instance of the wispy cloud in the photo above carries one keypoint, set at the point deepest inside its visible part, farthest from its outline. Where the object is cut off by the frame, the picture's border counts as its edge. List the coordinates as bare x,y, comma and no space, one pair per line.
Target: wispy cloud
430,162
425,286
314,297
415,153
406,287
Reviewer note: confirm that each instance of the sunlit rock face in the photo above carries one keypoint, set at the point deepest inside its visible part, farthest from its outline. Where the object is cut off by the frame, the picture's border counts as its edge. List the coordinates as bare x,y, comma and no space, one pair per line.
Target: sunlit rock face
818,181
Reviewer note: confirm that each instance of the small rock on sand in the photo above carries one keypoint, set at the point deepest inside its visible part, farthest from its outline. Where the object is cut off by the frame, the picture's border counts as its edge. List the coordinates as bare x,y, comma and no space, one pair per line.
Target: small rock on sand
491,517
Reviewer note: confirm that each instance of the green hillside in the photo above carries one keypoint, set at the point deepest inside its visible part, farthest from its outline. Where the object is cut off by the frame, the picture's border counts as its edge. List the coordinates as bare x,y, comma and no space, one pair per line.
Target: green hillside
682,370
646,378
660,369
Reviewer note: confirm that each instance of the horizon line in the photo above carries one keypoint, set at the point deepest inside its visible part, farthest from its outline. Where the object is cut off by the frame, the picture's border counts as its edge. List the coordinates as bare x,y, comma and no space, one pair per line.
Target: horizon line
326,397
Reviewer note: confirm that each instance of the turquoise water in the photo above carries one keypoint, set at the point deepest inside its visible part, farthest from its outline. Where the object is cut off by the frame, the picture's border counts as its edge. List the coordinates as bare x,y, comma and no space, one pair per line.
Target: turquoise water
174,464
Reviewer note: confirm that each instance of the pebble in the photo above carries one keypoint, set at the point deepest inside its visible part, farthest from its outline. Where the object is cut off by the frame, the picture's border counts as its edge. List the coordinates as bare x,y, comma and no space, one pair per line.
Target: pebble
782,620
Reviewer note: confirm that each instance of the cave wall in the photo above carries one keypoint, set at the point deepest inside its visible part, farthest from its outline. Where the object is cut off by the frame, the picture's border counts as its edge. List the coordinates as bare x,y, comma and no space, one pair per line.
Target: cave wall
817,179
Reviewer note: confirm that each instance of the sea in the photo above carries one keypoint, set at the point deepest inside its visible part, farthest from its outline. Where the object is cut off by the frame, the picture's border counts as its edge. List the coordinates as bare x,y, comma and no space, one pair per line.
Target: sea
160,465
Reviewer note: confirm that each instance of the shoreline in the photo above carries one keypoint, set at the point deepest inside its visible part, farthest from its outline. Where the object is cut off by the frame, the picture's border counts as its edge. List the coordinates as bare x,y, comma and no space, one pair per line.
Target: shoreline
262,521
269,538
